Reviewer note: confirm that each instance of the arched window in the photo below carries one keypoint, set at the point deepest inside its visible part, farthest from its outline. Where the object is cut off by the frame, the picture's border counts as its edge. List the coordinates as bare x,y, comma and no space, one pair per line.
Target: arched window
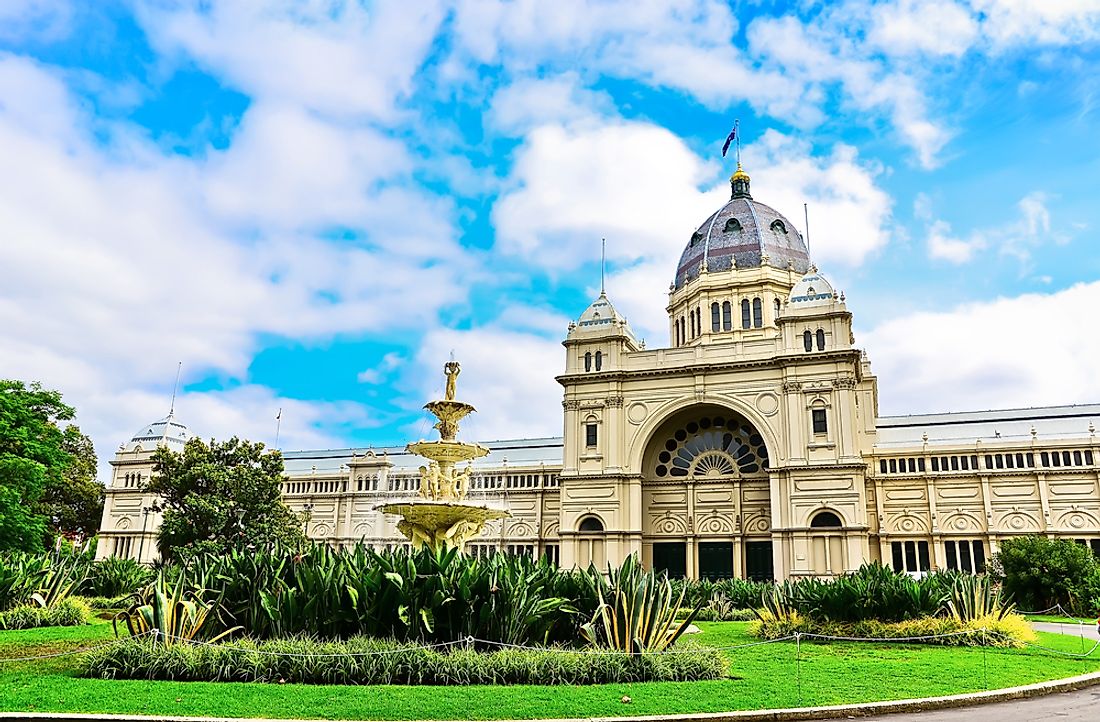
591,525
757,313
746,314
699,321
808,340
732,226
588,361
683,330
676,331
820,339
826,520
715,318
599,360
727,316
778,307
778,226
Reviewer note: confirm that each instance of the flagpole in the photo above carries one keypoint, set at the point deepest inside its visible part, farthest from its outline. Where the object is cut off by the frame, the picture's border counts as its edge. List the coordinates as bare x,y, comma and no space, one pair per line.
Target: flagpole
278,426
737,139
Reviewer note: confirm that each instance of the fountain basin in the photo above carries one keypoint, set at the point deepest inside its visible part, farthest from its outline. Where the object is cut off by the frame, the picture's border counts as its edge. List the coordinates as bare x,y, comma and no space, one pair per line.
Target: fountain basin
441,524
448,451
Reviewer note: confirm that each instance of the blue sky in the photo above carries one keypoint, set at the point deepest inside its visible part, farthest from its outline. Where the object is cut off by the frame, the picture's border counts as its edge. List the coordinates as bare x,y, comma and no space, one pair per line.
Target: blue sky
311,204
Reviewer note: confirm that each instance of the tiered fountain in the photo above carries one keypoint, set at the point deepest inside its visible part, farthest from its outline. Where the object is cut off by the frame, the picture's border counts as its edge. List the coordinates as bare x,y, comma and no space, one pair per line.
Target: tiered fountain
442,517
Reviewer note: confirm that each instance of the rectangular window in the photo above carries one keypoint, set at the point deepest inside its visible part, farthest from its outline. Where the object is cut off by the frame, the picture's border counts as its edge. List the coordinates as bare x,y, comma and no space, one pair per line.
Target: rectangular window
965,555
910,556
552,553
1045,458
935,463
893,466
590,435
714,317
1088,458
821,425
882,465
989,461
955,463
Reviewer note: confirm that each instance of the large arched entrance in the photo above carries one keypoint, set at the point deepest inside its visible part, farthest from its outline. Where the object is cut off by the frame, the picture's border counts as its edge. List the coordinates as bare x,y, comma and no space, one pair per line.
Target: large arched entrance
706,501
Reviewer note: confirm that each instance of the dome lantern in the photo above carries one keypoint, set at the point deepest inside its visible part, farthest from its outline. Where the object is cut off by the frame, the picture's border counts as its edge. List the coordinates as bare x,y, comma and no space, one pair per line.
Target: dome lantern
739,183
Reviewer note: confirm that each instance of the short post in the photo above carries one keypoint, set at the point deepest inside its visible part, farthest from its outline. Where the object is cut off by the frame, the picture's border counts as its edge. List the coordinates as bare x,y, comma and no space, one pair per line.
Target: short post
798,663
985,660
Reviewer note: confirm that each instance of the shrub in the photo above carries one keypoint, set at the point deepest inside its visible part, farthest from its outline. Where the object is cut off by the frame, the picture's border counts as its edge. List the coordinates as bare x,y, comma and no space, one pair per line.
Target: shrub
1011,630
116,577
70,612
175,614
391,662
1040,573
101,603
637,611
740,593
976,598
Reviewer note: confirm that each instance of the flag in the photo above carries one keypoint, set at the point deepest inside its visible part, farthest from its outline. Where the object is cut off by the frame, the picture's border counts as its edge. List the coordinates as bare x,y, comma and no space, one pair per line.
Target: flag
279,416
729,139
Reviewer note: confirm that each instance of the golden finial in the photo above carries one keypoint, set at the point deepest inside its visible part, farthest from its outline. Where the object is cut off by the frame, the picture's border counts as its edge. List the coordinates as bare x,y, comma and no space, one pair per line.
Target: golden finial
739,173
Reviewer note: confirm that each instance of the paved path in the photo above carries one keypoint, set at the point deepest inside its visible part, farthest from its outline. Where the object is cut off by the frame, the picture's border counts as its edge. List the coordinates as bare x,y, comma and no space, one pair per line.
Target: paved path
1080,706
1072,629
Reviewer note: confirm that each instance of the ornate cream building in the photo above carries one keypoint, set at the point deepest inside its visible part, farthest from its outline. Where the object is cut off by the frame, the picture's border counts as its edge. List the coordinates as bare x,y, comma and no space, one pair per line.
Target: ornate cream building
751,446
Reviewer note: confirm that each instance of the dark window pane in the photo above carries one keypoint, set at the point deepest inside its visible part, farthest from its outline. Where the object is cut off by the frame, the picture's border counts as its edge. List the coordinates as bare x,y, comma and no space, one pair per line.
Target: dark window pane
910,556
590,434
922,556
715,317
979,557
820,340
893,466
727,316
965,563
746,314
952,559
920,464
808,341
588,361
935,463
899,561
955,463
599,360
882,465
757,313
820,424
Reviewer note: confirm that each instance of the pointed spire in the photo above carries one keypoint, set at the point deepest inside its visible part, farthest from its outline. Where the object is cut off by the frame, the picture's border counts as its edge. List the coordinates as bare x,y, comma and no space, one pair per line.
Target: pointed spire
603,265
175,388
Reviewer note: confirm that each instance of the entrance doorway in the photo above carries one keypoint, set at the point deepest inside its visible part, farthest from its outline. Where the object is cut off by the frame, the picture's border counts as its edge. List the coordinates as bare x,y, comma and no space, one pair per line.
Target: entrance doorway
758,561
715,560
670,557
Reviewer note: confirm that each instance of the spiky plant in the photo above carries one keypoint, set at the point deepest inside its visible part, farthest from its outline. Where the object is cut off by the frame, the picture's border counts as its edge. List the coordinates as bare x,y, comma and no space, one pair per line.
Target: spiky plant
176,614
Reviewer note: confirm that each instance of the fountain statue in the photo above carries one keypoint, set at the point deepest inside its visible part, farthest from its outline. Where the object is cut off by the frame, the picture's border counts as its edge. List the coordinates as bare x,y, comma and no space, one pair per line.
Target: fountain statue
442,517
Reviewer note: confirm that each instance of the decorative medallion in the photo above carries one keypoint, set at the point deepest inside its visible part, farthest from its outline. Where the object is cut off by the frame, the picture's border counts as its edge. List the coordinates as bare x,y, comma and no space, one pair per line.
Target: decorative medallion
637,412
767,403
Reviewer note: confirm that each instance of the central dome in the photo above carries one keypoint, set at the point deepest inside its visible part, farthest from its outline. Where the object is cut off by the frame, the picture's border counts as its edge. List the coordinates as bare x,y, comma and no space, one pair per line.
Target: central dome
740,234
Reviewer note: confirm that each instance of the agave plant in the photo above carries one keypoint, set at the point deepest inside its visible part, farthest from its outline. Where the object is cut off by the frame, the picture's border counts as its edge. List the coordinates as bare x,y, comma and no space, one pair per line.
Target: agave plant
977,597
637,610
176,614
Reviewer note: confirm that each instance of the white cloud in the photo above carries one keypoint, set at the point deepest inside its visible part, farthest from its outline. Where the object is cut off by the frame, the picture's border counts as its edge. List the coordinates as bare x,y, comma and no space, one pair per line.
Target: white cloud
45,20
978,356
821,54
381,372
1011,23
508,375
120,261
1017,239
931,27
532,102
336,57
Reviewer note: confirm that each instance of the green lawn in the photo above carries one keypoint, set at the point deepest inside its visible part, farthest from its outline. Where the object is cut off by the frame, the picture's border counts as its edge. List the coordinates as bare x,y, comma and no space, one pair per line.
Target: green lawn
766,676
1059,619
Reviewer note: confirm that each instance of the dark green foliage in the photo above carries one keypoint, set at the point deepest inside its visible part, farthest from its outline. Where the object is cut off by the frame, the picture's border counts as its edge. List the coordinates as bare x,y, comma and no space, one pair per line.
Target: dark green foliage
74,506
872,592
221,496
421,596
68,612
382,662
32,458
41,579
116,577
1039,573
740,593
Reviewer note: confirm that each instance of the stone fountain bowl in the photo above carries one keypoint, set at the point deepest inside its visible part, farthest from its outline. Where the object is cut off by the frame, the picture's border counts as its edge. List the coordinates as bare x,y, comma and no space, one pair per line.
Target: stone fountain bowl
442,514
451,451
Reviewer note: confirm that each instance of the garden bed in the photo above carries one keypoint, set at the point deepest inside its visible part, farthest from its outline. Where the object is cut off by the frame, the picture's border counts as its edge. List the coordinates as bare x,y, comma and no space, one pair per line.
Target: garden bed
362,660
777,674
1010,631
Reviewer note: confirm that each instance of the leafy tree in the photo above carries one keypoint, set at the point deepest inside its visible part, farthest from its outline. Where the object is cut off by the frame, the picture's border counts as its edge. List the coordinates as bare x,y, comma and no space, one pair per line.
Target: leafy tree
75,505
1040,573
221,496
33,458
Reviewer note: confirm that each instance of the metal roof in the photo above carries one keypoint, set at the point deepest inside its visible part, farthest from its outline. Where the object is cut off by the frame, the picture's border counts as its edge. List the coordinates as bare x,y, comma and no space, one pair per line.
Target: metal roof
511,452
999,425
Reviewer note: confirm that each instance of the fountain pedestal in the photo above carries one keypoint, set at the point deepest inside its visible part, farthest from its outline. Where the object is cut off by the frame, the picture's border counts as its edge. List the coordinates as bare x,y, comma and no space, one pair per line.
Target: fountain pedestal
441,517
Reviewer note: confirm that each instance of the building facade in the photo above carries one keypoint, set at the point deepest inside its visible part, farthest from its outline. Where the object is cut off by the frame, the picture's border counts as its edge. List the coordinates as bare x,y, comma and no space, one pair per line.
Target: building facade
751,446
